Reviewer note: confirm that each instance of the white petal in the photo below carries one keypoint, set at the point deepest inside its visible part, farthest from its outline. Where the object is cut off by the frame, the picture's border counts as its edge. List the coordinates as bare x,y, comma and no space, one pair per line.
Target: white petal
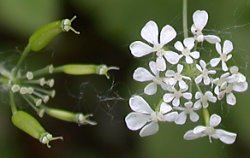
149,129
165,108
170,73
153,68
194,117
189,43
141,74
197,104
179,68
231,99
139,49
189,135
179,46
182,84
224,66
203,64
138,104
195,54
189,60
218,48
172,57
210,97
170,117
161,64
176,102
198,95
187,95
150,89
227,47
168,33
150,32
240,87
214,62
168,97
206,80
135,121
226,137
199,129
181,119
200,18
198,67
212,39
198,79
214,120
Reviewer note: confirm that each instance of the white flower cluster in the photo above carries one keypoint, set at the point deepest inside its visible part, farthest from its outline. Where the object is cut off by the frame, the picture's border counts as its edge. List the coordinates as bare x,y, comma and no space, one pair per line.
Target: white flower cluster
189,84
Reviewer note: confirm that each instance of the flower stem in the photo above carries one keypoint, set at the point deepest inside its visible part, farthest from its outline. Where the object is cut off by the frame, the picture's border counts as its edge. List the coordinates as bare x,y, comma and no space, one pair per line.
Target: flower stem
184,20
206,116
12,103
21,59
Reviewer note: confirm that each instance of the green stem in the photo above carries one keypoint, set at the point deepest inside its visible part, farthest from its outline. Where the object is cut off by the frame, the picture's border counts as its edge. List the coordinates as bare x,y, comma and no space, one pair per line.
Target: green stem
4,80
158,106
184,16
21,59
206,116
12,103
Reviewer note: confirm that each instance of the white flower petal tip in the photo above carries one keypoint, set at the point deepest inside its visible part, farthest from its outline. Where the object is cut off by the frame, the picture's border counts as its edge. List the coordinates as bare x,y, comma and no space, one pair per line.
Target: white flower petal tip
150,32
140,49
200,18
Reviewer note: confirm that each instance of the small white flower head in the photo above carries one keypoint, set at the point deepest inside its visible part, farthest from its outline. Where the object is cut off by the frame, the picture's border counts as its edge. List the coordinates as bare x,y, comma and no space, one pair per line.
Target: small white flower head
175,96
145,118
224,54
173,77
236,76
219,82
141,74
204,73
203,99
186,50
150,33
188,109
202,131
200,18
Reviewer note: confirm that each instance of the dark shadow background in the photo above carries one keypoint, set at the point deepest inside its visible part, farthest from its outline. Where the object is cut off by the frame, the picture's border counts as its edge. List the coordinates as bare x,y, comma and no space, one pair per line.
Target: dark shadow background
107,28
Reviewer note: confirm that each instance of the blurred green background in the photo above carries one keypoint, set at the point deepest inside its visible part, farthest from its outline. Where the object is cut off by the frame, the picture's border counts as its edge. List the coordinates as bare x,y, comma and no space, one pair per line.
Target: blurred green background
107,28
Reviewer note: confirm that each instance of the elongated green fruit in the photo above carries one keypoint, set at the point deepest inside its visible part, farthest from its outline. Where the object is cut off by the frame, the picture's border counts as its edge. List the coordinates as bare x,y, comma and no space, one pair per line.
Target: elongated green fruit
40,38
70,116
31,126
85,69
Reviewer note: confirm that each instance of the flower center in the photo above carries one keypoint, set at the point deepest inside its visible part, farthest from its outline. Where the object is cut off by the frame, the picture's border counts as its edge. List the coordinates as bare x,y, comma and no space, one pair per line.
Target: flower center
178,94
223,57
186,52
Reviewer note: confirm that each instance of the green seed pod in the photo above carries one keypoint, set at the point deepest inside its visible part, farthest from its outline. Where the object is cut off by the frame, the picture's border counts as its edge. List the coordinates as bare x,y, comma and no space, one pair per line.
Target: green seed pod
40,38
31,126
80,69
70,116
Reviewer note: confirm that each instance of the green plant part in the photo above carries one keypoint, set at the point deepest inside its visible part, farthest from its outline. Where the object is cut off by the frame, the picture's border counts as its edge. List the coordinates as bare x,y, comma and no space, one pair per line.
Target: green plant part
69,116
31,126
43,36
85,69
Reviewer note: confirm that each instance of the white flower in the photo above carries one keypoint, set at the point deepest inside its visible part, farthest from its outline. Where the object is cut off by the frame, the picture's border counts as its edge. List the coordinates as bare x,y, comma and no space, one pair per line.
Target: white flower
150,33
175,96
211,132
186,50
200,18
236,76
228,88
173,77
186,110
141,74
202,99
204,73
224,54
145,118
219,82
